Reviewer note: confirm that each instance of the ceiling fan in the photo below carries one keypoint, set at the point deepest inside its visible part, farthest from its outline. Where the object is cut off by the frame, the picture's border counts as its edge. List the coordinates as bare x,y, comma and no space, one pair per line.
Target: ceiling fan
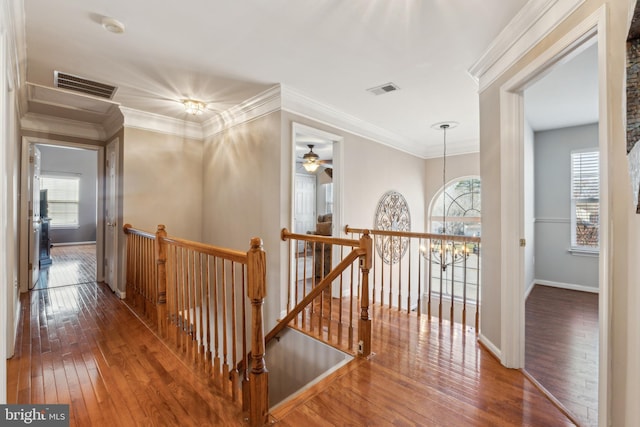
311,161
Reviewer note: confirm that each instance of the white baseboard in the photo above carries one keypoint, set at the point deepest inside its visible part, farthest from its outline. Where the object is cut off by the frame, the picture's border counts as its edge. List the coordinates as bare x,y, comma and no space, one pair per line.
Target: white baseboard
570,286
121,294
490,346
73,243
16,323
527,291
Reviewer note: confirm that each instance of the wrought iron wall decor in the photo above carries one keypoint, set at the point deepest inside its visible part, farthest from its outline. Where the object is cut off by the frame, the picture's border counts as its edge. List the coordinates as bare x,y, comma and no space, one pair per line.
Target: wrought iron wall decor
392,214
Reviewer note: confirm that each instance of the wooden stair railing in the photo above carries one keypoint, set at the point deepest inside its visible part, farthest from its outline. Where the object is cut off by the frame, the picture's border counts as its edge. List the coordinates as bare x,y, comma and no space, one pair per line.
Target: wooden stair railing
446,267
315,294
196,296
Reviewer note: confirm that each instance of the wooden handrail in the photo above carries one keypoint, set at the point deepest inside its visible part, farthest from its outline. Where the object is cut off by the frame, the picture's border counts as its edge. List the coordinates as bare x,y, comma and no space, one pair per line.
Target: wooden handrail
286,235
128,229
317,290
433,236
229,254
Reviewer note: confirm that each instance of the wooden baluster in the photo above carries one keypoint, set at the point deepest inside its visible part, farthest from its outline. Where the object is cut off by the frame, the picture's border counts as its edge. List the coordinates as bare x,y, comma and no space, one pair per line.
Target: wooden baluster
297,279
304,286
257,291
173,302
313,284
382,263
364,325
352,301
200,306
400,275
183,303
234,350
442,264
194,306
409,279
478,289
341,300
453,283
292,256
216,359
245,360
464,286
420,261
161,276
207,296
225,352
390,255
430,249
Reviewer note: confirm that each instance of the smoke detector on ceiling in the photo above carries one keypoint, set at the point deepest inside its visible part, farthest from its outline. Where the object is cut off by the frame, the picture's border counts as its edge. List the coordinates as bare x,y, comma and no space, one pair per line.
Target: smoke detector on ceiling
385,88
80,84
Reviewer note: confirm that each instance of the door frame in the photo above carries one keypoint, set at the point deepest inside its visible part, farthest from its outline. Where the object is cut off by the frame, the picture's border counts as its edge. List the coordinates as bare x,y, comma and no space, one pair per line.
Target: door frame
512,200
24,208
115,287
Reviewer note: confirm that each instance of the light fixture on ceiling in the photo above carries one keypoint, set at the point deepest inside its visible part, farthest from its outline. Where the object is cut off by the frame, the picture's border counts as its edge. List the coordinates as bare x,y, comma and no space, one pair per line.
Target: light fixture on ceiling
112,25
311,160
194,107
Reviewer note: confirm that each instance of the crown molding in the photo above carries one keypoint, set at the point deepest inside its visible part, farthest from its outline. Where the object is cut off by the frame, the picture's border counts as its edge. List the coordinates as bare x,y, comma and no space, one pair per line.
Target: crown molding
532,24
65,127
469,146
300,104
257,106
12,23
158,123
113,123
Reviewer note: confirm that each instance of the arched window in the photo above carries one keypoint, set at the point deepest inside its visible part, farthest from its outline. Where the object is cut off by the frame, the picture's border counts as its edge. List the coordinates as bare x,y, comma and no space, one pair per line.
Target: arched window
459,207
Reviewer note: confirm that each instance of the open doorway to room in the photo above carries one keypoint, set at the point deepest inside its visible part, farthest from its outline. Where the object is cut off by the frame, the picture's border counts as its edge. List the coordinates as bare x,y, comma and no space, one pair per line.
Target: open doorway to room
316,183
561,229
68,203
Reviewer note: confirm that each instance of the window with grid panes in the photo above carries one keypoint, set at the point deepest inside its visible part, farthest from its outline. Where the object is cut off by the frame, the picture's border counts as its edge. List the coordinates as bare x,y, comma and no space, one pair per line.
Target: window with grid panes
63,197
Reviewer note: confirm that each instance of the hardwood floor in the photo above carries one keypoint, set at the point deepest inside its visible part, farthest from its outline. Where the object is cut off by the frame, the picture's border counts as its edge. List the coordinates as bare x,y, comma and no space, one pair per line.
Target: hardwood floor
70,265
81,345
423,374
562,348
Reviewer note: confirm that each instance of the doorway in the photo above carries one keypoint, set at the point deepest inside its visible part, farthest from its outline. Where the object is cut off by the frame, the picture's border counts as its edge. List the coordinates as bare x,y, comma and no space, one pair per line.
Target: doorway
512,183
71,202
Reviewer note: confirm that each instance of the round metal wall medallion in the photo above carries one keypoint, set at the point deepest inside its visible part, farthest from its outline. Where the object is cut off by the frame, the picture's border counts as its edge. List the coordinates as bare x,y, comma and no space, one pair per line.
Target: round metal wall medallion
392,214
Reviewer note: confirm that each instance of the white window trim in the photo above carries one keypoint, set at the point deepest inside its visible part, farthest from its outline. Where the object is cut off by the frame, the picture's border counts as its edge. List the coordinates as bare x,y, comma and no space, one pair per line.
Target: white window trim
65,175
575,249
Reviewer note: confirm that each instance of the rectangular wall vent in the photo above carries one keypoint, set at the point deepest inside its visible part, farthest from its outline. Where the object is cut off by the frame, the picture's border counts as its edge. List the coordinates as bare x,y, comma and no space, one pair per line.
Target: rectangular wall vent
80,84
385,88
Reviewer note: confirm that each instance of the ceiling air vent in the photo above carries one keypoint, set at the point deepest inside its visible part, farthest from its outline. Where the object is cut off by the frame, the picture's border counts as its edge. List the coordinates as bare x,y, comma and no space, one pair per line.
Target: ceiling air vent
80,84
385,88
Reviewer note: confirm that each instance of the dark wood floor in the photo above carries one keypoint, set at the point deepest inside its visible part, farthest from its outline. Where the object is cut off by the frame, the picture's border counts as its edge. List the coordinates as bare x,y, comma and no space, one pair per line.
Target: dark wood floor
81,345
562,348
70,265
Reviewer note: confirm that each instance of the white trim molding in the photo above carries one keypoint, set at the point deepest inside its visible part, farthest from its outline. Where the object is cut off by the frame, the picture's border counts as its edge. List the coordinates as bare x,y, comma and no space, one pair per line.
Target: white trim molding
532,24
65,127
490,346
569,286
158,123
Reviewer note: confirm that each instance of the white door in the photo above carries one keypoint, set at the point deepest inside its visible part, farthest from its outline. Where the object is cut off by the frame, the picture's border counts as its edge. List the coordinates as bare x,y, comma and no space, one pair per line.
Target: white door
111,216
35,224
305,204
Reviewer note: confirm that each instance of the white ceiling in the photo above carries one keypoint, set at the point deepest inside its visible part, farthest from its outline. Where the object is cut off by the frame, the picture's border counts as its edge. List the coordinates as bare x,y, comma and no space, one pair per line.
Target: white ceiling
225,52
567,95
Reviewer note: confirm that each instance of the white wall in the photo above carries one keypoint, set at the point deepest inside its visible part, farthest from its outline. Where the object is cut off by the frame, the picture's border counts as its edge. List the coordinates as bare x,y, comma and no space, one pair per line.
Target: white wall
84,164
555,265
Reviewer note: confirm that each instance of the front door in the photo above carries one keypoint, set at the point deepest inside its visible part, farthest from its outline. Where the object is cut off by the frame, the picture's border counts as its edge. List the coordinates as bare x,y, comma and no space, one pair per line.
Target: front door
35,223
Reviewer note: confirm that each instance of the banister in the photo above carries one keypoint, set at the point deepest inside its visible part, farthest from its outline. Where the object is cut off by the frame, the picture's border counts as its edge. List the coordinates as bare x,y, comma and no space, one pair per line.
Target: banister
286,235
434,236
317,290
229,254
128,229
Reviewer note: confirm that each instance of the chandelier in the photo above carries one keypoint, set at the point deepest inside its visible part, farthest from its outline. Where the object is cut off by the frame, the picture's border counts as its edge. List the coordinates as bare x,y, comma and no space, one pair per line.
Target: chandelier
445,253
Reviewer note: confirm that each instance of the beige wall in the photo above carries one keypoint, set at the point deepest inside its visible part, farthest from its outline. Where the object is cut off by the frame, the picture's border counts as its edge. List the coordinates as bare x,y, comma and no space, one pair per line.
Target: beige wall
624,225
242,195
162,182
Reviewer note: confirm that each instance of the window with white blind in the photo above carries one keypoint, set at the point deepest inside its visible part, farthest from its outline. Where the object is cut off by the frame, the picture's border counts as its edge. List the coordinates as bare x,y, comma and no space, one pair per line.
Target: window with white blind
585,200
63,195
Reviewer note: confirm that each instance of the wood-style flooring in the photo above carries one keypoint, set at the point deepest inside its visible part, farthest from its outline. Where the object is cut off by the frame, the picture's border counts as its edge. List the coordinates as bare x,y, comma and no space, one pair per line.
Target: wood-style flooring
81,345
70,265
562,348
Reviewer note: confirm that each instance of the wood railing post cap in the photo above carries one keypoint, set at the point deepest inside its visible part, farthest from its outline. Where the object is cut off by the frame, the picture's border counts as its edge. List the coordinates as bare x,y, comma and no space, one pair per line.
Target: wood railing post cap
161,227
256,243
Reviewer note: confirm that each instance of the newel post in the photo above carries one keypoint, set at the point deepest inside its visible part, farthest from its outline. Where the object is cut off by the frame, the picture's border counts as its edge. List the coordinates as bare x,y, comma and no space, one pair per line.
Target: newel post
258,377
364,324
161,279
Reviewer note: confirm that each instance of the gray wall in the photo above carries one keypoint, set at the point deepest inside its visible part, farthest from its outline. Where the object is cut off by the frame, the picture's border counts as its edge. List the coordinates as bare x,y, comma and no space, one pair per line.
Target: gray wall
85,164
553,262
